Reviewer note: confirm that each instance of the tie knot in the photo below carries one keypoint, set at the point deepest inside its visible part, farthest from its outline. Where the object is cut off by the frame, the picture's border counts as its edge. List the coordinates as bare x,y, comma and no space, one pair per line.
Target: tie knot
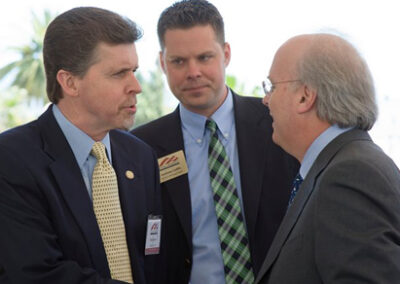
99,151
296,184
211,125
297,181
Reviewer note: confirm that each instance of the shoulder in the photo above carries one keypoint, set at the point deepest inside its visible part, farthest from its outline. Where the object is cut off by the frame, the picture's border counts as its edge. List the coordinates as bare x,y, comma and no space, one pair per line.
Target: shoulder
246,99
248,104
362,166
21,138
124,141
151,131
21,148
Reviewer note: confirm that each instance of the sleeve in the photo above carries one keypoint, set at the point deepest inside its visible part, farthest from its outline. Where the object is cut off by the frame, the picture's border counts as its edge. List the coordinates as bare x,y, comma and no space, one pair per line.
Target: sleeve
357,222
29,249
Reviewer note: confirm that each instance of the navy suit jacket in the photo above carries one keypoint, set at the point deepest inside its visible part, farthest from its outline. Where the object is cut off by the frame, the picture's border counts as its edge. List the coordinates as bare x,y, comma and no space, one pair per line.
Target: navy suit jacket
49,233
266,174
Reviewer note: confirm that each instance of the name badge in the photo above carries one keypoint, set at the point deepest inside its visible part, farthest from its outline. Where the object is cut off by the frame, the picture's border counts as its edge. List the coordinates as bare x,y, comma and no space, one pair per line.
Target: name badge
153,235
172,166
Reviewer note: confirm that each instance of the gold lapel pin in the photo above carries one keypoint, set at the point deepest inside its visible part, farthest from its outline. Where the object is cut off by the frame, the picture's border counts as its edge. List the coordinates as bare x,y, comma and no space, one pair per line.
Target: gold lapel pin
129,174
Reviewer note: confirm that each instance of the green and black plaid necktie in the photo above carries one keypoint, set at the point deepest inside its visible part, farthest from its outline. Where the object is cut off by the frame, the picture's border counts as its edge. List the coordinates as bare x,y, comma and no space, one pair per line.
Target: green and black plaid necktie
231,228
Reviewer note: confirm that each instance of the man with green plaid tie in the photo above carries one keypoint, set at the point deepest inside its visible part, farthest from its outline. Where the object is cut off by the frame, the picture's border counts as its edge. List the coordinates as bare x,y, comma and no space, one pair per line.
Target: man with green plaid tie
231,229
220,216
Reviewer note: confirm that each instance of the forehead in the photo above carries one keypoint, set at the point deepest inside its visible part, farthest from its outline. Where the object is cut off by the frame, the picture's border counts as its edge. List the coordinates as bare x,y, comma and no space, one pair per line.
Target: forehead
189,40
116,54
286,59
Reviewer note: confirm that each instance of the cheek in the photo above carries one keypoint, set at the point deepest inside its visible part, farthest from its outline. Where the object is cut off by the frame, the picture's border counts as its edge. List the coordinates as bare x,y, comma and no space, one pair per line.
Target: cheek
174,77
270,102
215,72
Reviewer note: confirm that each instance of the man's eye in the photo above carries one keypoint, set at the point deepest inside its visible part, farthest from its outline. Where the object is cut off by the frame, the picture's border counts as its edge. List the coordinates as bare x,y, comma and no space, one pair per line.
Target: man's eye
177,61
119,74
205,57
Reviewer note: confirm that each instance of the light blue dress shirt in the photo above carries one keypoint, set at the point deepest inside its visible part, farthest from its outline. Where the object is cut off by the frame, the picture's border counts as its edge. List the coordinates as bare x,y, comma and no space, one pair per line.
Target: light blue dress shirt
208,266
81,145
318,145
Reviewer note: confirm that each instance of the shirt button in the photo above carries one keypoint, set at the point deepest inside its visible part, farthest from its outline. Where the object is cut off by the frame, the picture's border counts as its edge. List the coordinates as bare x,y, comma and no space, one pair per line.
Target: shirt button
198,141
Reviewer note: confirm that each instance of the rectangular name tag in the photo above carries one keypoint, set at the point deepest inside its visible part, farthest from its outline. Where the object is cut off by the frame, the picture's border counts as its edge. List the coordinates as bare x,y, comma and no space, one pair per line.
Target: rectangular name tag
153,235
172,166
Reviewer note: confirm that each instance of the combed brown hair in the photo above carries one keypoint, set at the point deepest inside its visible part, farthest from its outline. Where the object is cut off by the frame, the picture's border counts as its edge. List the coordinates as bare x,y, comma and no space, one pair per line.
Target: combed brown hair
71,39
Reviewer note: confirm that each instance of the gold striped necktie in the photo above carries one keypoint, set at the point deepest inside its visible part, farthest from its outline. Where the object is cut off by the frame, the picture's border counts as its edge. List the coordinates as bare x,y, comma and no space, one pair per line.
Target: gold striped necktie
108,213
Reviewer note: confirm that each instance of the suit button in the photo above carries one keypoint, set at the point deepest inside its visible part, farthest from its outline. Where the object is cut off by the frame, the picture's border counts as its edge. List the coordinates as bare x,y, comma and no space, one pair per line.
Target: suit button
187,260
2,270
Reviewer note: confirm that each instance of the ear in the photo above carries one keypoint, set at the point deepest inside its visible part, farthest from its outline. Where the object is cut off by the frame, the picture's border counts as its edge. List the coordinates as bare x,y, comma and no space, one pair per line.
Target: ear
161,58
227,54
307,99
67,82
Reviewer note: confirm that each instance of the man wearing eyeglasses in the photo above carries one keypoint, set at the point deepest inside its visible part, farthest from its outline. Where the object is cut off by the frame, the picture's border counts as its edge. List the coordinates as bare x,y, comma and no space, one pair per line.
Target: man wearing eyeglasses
194,56
343,220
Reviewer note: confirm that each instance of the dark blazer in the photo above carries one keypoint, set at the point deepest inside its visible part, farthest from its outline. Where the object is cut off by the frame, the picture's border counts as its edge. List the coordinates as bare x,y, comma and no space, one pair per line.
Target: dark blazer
266,173
49,233
344,224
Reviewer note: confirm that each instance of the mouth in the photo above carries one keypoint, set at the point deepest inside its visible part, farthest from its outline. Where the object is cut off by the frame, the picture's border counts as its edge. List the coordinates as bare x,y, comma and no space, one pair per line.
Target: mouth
130,108
194,88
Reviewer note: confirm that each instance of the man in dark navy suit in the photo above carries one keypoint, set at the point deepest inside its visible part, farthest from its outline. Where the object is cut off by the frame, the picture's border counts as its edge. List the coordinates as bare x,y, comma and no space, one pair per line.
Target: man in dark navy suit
49,232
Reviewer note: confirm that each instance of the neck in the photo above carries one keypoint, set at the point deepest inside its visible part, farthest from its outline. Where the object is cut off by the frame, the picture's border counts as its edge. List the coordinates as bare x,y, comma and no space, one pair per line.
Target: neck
309,134
71,112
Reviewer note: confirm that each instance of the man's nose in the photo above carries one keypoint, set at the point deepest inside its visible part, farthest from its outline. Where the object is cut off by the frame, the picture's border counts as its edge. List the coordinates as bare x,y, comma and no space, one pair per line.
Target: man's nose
193,69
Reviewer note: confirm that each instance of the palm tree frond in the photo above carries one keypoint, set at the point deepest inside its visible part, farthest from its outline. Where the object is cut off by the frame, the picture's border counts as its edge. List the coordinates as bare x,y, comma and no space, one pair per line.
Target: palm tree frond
28,71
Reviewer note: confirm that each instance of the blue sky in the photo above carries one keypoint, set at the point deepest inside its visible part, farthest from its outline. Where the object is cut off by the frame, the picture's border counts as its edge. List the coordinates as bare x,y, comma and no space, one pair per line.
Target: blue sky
255,29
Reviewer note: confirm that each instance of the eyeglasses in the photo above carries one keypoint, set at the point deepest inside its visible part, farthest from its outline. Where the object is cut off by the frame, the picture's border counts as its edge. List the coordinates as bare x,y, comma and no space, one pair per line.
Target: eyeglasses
269,87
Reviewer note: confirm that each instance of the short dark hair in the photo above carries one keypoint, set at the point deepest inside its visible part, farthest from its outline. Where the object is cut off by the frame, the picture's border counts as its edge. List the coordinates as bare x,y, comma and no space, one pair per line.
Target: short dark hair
71,39
189,13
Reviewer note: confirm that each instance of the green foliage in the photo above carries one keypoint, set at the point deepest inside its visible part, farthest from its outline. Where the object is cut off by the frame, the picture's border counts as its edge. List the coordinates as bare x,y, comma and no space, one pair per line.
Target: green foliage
29,83
28,70
15,108
239,87
150,101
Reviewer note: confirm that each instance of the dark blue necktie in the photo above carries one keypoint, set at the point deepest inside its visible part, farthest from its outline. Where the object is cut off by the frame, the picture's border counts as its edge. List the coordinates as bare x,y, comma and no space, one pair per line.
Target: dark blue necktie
296,184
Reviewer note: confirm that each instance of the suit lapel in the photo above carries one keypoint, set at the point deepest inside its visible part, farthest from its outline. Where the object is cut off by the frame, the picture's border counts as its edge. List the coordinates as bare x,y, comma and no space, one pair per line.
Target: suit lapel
131,192
304,193
288,223
178,188
71,185
252,144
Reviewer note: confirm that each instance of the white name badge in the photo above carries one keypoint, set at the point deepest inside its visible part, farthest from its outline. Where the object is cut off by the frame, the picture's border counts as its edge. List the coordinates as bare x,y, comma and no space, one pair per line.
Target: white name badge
153,235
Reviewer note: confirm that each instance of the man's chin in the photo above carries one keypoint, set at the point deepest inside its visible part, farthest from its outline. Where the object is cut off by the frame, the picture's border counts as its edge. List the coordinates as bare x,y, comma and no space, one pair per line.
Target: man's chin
127,124
274,138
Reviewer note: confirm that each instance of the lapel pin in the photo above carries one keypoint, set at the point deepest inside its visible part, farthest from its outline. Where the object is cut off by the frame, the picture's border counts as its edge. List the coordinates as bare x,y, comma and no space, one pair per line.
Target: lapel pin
129,174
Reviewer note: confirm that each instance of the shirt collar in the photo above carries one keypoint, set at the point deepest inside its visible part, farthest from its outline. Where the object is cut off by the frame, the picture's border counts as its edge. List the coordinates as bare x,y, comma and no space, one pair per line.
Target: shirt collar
224,116
80,143
318,145
195,123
